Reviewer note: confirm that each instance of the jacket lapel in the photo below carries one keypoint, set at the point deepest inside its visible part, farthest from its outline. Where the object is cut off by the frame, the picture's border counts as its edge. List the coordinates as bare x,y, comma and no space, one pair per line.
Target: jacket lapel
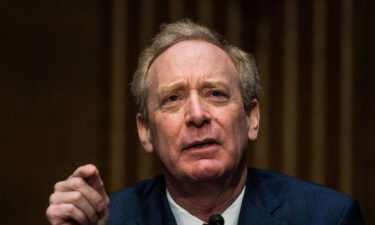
255,216
157,210
260,202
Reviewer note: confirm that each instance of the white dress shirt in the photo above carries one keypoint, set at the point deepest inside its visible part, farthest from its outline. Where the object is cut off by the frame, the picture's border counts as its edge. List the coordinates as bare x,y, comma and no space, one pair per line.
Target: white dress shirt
183,217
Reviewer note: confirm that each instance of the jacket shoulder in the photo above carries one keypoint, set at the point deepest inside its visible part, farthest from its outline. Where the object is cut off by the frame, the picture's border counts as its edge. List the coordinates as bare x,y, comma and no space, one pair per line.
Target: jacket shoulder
304,202
287,185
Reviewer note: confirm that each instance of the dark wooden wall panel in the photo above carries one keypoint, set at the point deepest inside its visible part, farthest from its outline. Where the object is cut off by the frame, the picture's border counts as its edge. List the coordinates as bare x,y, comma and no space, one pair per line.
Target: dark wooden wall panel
52,100
305,30
276,92
364,107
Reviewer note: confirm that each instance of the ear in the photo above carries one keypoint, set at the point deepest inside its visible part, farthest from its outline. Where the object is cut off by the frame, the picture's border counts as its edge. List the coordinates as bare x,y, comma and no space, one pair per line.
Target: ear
253,117
144,133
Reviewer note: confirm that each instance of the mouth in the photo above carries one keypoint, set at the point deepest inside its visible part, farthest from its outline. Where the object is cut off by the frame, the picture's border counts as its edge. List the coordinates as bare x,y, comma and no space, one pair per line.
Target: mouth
200,144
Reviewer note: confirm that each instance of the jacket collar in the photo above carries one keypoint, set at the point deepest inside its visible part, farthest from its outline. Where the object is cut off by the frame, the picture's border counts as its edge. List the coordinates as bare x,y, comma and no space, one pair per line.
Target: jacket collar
260,202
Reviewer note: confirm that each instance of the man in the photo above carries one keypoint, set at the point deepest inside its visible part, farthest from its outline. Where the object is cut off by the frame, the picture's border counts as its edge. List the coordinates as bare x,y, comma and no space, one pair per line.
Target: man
198,108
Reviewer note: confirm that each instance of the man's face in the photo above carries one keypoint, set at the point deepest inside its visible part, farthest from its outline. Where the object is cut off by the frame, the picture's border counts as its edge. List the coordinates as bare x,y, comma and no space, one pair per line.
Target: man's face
197,123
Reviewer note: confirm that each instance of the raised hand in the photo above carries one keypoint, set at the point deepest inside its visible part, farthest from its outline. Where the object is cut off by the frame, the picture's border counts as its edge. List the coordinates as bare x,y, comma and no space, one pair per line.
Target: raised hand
80,199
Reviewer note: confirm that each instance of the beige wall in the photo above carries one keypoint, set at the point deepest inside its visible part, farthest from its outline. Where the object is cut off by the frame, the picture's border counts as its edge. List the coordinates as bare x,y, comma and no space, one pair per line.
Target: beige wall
65,95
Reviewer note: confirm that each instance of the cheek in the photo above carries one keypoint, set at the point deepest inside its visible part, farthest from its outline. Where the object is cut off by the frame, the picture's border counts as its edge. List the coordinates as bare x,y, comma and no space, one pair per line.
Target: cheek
165,133
236,127
243,127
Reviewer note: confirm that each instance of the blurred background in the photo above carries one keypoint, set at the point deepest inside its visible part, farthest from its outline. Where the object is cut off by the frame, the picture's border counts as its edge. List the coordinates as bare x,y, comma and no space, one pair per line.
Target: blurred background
64,91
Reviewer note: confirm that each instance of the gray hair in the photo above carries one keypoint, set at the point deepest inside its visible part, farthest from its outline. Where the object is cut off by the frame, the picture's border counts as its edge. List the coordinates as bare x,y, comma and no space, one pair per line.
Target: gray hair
173,33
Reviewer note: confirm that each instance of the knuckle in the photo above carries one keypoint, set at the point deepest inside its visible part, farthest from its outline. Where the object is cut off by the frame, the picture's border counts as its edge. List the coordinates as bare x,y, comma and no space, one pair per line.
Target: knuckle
77,196
83,219
58,185
69,208
52,198
50,211
76,182
97,202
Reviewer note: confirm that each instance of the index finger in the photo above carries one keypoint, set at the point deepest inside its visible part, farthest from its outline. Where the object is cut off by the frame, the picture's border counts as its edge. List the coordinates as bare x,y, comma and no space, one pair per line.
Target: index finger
86,171
91,175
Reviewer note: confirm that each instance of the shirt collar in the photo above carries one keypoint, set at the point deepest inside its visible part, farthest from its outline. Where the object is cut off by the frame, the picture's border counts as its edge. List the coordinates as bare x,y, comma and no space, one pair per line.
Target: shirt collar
183,217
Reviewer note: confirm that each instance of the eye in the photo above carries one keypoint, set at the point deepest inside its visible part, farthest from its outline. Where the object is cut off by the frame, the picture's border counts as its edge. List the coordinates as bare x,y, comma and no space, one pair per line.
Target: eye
172,98
217,93
171,102
218,96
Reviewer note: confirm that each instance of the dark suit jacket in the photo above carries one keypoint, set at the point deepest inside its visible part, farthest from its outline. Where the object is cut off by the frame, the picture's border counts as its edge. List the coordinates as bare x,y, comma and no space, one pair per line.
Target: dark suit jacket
270,199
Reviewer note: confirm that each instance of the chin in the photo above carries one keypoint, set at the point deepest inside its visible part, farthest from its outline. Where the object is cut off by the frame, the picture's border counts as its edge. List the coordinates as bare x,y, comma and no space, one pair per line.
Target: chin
206,172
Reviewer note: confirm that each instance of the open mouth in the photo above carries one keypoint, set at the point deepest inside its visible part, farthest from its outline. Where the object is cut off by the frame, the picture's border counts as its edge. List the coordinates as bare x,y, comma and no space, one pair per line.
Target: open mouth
201,144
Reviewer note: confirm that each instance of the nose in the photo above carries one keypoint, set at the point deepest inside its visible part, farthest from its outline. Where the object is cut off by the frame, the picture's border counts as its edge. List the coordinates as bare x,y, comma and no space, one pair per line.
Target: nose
196,113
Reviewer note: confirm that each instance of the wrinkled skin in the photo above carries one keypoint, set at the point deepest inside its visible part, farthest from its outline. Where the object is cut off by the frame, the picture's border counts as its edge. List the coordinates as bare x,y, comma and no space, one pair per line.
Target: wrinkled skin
80,199
197,123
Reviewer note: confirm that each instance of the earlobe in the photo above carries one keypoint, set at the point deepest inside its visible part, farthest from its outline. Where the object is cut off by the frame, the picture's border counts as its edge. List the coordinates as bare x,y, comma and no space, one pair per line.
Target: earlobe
253,116
144,133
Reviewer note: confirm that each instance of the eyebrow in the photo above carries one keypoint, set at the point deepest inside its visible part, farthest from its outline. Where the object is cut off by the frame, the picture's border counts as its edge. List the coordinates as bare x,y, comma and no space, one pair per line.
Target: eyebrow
171,88
180,85
214,84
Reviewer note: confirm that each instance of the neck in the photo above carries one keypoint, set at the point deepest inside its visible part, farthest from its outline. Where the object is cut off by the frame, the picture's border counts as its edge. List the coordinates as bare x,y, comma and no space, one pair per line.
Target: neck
202,199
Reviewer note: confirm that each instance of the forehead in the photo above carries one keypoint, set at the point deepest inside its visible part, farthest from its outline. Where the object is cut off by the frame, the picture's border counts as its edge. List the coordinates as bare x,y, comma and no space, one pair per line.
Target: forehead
191,58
